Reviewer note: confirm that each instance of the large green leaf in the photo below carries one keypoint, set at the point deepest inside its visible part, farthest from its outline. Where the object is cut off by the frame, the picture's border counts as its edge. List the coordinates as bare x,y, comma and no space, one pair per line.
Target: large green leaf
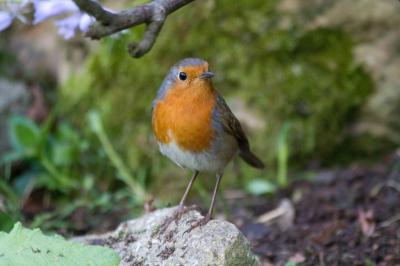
31,247
24,133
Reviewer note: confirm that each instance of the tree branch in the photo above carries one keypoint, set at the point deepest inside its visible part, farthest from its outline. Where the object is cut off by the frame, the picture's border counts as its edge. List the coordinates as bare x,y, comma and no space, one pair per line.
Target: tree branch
96,10
153,14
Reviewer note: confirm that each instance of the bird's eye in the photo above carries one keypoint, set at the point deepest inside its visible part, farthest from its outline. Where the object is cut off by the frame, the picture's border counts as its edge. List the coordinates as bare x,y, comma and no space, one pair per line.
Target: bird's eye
182,76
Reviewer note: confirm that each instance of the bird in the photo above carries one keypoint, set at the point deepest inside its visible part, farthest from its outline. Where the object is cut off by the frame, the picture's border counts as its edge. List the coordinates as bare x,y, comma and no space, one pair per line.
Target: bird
195,128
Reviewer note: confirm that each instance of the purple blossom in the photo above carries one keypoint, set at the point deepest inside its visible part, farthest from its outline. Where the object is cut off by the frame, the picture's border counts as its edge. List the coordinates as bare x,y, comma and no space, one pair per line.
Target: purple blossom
68,26
72,21
11,10
85,22
5,20
45,9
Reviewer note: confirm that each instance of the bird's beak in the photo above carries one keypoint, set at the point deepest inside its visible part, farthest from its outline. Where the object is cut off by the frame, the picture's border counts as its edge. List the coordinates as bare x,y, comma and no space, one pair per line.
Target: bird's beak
207,75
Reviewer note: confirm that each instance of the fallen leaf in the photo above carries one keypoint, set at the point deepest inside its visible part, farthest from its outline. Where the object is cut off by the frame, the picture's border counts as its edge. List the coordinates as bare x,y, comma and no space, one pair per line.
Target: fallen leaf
297,258
366,221
283,215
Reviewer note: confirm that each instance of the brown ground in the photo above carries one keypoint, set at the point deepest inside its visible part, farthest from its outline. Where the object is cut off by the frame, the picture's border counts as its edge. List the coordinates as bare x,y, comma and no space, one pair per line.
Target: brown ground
345,217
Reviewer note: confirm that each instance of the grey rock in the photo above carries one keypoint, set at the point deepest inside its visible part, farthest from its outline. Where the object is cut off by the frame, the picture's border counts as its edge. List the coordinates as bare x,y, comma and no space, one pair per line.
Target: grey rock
14,99
139,242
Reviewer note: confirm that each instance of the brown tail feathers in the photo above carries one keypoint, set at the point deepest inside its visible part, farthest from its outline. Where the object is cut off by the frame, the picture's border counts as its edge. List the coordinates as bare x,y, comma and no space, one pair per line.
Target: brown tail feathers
251,159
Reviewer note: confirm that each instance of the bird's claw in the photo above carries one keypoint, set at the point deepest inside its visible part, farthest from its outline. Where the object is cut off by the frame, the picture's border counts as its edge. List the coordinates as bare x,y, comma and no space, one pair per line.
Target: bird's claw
176,216
203,221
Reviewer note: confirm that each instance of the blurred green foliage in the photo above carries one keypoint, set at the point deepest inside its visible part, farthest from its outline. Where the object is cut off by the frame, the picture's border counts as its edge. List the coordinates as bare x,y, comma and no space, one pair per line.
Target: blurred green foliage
286,74
54,152
283,154
64,164
7,60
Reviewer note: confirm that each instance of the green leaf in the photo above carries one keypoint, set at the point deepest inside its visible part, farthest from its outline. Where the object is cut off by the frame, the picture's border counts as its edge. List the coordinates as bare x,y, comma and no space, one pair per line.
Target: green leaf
13,156
368,262
31,247
260,186
95,122
24,133
7,220
65,146
63,153
24,183
66,133
283,155
7,190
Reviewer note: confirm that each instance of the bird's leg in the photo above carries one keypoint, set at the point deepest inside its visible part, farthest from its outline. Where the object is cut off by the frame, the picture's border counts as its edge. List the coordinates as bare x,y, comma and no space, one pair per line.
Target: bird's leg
182,209
182,202
206,219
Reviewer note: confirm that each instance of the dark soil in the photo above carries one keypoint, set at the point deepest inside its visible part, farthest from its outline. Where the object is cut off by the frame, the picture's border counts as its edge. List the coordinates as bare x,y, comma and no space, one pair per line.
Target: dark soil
344,217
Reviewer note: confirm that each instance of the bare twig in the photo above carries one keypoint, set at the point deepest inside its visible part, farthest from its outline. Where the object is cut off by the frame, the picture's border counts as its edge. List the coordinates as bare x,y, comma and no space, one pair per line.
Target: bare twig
389,222
96,10
152,14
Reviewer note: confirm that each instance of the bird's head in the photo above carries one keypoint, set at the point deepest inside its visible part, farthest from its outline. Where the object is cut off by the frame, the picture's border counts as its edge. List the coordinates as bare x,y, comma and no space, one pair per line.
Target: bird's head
189,73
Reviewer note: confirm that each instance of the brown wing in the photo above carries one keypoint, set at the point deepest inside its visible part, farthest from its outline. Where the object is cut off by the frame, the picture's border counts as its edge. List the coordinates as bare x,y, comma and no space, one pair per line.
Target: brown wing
232,126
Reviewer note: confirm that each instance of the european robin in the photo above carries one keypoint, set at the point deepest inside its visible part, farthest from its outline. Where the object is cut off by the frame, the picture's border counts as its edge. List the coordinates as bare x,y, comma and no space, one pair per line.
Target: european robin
195,128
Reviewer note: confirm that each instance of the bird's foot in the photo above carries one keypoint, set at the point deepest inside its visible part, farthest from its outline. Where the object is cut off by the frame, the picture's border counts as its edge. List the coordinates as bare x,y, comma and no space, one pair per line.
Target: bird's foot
175,217
199,223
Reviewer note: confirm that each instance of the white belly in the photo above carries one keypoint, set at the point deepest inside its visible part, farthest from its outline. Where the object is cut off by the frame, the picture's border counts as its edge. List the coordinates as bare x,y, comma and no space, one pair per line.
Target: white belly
214,160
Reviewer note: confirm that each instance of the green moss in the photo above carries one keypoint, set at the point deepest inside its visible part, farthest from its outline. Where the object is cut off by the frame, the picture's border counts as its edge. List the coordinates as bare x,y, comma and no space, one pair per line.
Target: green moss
320,92
7,61
305,77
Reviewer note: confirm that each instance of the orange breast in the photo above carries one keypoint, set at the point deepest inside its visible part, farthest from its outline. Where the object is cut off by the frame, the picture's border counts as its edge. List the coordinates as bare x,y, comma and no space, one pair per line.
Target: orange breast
184,115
